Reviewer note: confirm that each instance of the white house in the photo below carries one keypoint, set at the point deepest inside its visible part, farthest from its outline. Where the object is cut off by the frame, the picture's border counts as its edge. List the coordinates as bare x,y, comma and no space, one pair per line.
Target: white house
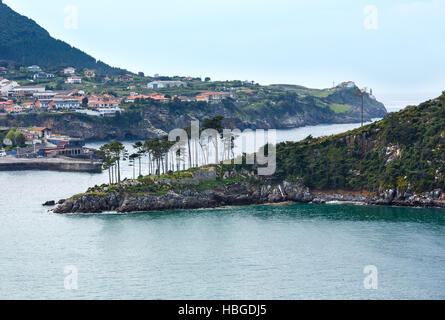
43,75
101,112
66,103
74,80
69,70
34,69
166,84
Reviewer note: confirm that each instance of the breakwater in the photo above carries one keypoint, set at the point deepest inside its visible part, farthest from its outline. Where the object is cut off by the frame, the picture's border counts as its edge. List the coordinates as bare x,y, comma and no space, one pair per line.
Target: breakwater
53,164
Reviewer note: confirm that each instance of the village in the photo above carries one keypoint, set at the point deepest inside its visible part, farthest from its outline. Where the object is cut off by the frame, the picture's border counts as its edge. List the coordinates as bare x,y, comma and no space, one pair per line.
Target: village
16,99
40,142
39,148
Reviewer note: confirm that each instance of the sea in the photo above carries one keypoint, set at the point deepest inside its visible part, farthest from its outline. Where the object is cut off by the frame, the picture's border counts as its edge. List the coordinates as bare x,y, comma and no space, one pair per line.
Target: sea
288,251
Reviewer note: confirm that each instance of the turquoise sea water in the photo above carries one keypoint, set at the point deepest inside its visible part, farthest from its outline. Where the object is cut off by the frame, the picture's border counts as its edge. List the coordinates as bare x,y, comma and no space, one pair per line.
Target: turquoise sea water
265,252
297,251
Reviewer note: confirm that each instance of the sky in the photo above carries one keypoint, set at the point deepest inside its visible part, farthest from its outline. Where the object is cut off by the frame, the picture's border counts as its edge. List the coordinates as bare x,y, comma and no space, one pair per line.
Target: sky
395,47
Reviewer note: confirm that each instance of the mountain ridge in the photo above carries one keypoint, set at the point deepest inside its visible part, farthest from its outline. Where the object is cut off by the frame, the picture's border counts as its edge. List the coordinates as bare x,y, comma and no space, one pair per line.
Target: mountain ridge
23,41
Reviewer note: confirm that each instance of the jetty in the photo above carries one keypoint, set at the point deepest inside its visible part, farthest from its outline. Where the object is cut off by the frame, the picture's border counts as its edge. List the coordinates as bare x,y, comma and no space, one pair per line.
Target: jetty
53,164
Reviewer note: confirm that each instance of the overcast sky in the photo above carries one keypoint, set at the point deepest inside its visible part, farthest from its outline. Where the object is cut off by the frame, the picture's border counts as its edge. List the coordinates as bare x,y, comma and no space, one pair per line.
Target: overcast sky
395,47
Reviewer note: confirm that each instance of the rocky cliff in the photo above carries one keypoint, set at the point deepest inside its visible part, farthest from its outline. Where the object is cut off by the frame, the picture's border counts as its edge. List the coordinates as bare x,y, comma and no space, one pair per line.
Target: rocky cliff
236,189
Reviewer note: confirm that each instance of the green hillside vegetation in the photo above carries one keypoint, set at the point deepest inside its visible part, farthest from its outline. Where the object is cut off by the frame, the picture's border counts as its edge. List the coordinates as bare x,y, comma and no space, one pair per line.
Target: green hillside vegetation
340,108
24,42
404,150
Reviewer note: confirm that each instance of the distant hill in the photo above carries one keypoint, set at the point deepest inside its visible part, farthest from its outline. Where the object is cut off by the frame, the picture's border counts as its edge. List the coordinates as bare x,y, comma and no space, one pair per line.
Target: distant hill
24,42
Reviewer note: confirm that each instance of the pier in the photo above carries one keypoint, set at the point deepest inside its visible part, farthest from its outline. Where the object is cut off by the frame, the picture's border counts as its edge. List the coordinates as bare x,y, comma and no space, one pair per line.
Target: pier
52,164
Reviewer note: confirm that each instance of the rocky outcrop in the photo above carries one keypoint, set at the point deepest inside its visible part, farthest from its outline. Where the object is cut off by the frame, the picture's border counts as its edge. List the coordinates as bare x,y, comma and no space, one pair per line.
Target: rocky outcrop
233,195
435,198
238,195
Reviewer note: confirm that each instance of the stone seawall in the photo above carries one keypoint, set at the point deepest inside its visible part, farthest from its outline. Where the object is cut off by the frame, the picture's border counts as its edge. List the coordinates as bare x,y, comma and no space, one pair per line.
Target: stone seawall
56,164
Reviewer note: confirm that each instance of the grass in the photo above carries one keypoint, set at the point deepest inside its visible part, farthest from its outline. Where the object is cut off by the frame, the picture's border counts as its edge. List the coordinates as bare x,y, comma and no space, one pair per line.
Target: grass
340,108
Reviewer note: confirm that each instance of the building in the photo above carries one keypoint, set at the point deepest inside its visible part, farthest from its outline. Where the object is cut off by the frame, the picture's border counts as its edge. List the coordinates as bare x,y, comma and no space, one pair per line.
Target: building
90,73
98,104
28,106
101,101
58,103
124,78
14,108
166,84
186,99
69,70
25,91
58,145
3,70
213,97
132,98
41,132
154,96
65,103
44,95
347,84
74,80
6,104
34,69
43,76
101,112
159,97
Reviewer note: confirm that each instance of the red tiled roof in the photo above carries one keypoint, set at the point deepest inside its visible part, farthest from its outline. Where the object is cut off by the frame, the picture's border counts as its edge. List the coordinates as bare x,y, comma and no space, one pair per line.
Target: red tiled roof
39,129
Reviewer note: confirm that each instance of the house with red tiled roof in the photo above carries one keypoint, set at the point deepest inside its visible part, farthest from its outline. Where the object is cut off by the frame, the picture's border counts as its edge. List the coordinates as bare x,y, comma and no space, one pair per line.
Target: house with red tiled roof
69,70
41,132
6,104
14,109
213,97
28,105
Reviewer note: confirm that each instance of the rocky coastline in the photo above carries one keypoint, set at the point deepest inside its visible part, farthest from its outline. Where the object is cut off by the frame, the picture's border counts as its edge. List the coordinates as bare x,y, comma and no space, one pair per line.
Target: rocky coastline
240,194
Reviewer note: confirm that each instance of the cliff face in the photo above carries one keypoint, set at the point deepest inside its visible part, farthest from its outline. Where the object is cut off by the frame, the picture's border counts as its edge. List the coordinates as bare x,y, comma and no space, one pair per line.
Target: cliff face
86,127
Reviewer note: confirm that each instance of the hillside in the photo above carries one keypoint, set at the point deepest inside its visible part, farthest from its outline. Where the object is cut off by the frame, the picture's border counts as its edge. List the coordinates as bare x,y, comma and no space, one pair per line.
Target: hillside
406,150
253,106
24,42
